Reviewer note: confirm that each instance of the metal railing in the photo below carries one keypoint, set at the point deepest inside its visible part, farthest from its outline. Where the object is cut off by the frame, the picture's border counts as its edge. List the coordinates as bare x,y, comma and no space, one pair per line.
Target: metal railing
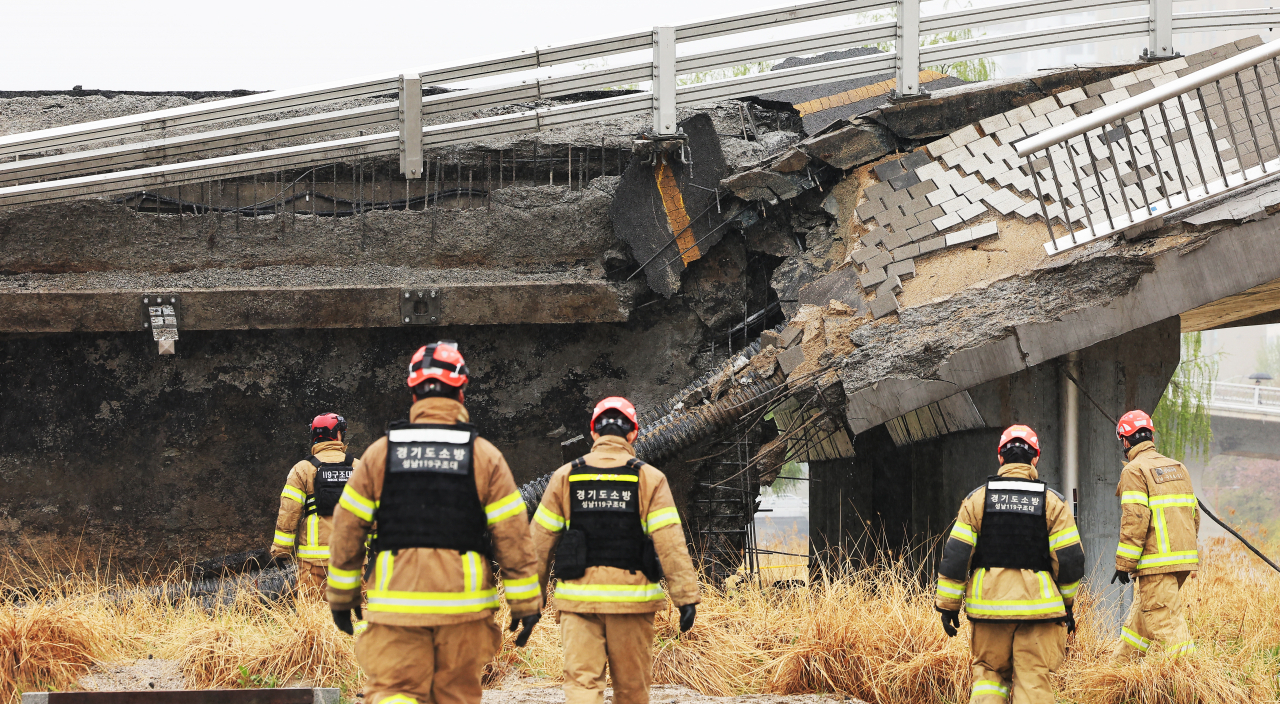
1244,397
1128,164
69,162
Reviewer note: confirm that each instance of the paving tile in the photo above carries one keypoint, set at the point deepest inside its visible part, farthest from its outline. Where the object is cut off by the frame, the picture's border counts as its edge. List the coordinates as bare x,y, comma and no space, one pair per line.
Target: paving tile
946,221
940,147
871,278
953,158
921,231
932,244
982,146
1007,178
880,260
906,252
1142,86
869,210
1124,79
878,190
893,240
1094,89
1036,124
896,198
1044,106
1173,65
956,205
1018,114
966,184
1008,205
988,171
1088,105
979,192
971,165
964,135
1010,134
940,196
904,181
1028,209
1149,72
972,211
914,206
929,170
1248,42
986,229
1071,97
873,238
923,188
928,215
889,169
947,177
902,223
1161,80
915,160
891,285
1115,96
958,237
860,256
1024,184
883,305
993,124
903,270
1061,115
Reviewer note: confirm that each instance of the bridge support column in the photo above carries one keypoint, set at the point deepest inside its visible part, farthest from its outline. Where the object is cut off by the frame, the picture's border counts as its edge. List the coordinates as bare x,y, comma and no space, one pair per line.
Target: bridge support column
908,495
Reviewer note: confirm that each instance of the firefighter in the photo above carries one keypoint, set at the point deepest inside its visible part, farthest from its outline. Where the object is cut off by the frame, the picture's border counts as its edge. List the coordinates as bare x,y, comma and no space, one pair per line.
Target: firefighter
445,505
310,493
1015,560
615,532
1159,522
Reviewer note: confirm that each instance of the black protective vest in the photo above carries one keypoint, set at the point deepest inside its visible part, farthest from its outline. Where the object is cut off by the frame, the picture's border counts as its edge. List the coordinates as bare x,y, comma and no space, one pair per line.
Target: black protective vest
1014,532
328,484
429,497
605,505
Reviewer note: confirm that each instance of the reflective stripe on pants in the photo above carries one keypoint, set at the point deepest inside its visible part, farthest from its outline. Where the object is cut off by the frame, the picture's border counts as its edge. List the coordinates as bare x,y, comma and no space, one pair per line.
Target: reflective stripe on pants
1012,661
440,664
622,641
1155,618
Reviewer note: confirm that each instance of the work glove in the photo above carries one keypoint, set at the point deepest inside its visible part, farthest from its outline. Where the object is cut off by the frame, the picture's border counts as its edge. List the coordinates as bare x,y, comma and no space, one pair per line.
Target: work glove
1120,575
526,623
1070,620
687,614
342,619
950,622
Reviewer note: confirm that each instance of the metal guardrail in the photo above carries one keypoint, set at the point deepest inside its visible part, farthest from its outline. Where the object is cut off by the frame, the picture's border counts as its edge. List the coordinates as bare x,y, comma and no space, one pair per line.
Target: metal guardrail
1244,397
1181,142
153,158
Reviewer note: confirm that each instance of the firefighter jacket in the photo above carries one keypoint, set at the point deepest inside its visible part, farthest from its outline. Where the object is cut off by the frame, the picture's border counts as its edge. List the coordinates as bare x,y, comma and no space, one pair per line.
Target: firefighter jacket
312,540
1005,593
612,590
433,586
1159,518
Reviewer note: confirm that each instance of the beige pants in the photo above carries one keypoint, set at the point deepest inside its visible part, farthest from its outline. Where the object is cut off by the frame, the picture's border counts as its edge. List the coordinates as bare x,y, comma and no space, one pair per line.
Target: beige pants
1017,656
1155,617
312,578
421,664
623,641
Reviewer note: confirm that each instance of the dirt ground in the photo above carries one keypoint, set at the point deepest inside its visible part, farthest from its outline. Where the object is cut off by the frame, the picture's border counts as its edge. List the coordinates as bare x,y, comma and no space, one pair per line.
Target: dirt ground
146,673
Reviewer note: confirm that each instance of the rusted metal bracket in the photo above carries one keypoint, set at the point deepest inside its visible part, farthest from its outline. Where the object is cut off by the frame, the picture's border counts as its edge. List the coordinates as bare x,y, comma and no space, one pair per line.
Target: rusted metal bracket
420,307
160,314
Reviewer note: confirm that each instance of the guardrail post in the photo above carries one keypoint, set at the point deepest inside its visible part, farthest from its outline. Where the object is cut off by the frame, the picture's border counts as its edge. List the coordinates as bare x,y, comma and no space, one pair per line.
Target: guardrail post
907,47
410,125
664,81
1161,43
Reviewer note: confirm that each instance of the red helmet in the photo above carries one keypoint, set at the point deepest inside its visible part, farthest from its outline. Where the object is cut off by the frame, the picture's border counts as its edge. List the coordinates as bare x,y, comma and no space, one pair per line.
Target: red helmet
1131,422
615,403
326,426
1019,432
440,361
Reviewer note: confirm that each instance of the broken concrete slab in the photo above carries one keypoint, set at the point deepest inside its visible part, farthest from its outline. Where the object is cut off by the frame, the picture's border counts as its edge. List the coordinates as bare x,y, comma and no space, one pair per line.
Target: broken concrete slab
789,335
792,161
851,146
790,358
884,304
763,184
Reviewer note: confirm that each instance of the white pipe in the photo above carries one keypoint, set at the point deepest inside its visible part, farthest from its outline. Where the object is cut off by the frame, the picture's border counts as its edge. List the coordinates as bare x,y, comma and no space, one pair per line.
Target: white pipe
1071,432
1129,106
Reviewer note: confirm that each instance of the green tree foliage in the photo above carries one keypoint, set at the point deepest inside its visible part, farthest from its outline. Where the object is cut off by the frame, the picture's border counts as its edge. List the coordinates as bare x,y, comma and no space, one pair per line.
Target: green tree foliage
786,482
1182,416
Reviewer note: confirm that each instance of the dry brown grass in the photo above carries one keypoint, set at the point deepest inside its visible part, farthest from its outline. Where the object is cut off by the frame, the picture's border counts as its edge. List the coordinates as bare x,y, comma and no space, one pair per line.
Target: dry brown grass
872,634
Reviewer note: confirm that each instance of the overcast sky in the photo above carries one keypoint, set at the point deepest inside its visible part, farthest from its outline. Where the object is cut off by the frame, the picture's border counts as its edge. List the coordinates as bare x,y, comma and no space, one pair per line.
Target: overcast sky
228,44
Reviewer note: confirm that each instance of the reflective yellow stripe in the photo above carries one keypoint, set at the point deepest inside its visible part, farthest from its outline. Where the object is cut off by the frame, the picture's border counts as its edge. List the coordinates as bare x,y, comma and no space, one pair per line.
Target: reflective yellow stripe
313,529
976,582
1068,591
1134,639
609,592
470,571
343,579
1185,557
604,478
384,566
432,602
524,588
1128,552
1063,538
505,508
1133,497
285,539
1186,647
313,552
950,589
361,507
1050,601
983,688
399,699
1167,500
548,520
1047,588
293,492
964,533
661,518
